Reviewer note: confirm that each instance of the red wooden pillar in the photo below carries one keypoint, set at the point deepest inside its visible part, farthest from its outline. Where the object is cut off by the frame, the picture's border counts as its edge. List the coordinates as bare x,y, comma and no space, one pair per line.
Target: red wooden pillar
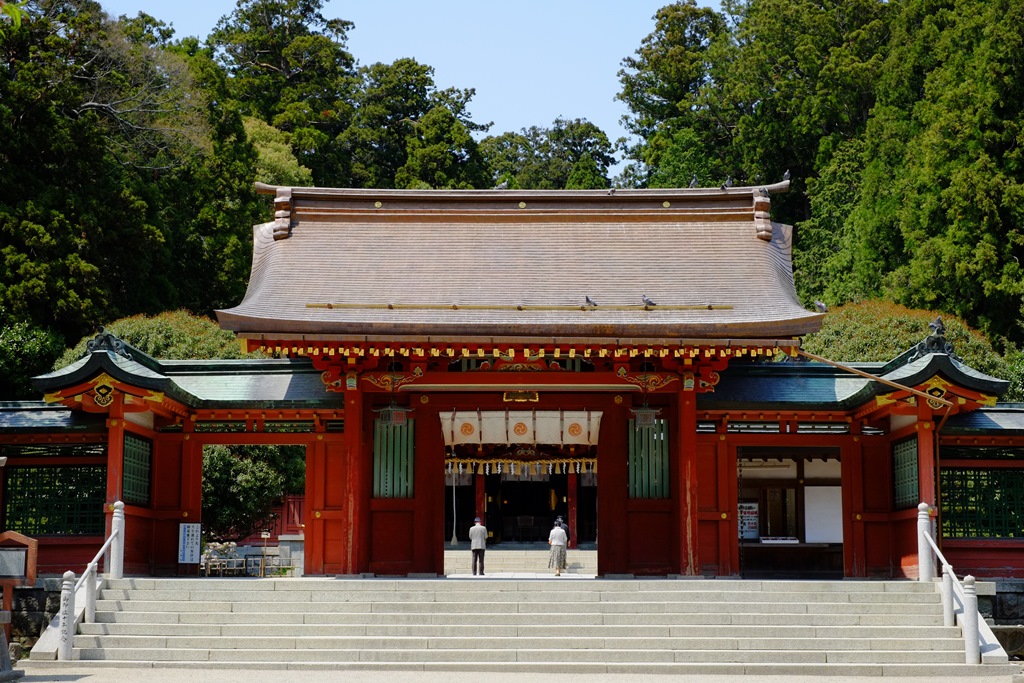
115,452
612,475
481,497
686,483
571,508
728,491
926,454
851,461
191,480
313,516
357,490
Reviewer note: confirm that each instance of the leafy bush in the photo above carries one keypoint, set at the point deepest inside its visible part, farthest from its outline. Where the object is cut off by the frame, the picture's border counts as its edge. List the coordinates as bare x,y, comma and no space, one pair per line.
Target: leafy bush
25,351
171,335
881,330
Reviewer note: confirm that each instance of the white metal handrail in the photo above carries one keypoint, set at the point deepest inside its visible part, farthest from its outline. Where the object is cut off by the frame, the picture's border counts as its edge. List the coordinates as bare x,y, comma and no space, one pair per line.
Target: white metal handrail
69,587
977,635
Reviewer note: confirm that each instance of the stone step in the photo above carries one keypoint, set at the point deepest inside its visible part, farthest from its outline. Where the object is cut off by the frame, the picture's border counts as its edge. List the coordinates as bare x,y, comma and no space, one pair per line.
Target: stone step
517,618
517,643
946,672
458,630
565,592
621,606
378,585
552,654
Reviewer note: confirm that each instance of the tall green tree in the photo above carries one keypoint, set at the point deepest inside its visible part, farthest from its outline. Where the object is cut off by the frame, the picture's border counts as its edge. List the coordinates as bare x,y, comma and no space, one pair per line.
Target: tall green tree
441,154
275,162
669,88
75,159
939,220
289,66
401,120
538,158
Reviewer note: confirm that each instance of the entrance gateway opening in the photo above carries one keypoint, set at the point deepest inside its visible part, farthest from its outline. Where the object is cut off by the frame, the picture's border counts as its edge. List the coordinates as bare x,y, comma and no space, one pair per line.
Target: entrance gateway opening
520,470
790,512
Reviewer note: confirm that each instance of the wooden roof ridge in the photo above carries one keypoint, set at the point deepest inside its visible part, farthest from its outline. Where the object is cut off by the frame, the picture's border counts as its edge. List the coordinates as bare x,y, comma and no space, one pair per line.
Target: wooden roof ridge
610,195
639,206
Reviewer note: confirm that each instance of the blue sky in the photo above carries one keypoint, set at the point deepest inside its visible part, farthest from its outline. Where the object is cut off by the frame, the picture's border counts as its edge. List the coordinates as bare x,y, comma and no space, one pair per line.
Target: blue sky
530,61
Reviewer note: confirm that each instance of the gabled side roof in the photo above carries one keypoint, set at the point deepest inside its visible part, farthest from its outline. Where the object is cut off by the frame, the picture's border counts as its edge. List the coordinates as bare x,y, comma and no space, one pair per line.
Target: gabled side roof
809,385
512,264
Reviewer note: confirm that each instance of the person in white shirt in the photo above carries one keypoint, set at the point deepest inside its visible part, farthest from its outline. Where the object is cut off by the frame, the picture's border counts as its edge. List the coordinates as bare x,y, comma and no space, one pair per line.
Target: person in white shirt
478,544
557,539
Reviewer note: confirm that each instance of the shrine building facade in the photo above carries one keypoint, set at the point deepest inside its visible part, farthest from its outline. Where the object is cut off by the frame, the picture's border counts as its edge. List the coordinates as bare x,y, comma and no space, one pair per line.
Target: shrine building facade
629,360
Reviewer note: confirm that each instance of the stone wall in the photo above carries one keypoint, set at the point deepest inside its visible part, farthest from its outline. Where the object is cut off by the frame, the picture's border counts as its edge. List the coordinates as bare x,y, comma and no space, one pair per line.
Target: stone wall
33,608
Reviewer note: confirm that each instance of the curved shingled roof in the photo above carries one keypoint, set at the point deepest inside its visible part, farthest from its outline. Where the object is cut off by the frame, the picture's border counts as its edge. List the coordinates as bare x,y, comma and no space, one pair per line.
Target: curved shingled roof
513,264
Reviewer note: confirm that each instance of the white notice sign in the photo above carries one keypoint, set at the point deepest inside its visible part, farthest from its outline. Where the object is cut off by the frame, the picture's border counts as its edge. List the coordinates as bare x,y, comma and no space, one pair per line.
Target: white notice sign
188,543
748,521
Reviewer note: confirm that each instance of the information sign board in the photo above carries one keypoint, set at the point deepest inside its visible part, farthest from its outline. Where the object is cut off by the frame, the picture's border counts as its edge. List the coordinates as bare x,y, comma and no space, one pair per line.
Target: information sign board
189,543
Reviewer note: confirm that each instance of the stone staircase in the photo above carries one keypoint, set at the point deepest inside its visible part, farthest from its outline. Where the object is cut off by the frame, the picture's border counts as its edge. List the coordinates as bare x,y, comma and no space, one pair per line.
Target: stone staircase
570,625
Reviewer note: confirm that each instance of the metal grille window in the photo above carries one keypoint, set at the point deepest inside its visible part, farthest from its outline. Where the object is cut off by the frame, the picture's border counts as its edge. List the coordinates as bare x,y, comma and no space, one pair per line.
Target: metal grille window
904,474
982,453
287,427
393,459
648,460
982,503
138,464
54,501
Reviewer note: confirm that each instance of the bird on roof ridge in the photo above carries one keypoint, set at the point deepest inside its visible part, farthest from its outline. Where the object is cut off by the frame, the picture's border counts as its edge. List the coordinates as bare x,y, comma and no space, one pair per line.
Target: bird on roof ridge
693,180
728,182
590,302
785,176
820,305
647,301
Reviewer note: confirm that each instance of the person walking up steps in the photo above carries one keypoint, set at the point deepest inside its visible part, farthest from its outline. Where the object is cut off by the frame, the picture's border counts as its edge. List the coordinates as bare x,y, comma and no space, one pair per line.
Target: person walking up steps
478,544
557,539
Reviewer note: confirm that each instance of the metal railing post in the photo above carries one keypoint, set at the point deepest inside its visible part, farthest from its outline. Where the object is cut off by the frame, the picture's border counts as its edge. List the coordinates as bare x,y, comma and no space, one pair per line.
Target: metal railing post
948,613
90,593
67,616
970,621
925,562
116,568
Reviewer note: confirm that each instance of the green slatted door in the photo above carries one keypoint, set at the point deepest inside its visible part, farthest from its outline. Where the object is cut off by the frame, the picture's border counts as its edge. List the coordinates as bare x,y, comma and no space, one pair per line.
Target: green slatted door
648,461
393,459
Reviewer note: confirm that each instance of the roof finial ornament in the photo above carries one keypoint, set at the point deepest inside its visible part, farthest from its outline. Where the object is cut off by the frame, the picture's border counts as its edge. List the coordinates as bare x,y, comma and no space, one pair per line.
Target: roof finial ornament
935,342
107,341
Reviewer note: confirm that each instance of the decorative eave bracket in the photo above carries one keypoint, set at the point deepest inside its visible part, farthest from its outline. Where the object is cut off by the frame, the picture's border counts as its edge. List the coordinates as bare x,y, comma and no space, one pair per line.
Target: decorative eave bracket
282,227
762,214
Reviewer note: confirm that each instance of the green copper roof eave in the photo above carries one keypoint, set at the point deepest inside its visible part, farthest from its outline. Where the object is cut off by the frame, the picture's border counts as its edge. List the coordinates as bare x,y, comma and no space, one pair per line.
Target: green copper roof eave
20,417
98,362
795,385
1004,419
939,364
255,384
